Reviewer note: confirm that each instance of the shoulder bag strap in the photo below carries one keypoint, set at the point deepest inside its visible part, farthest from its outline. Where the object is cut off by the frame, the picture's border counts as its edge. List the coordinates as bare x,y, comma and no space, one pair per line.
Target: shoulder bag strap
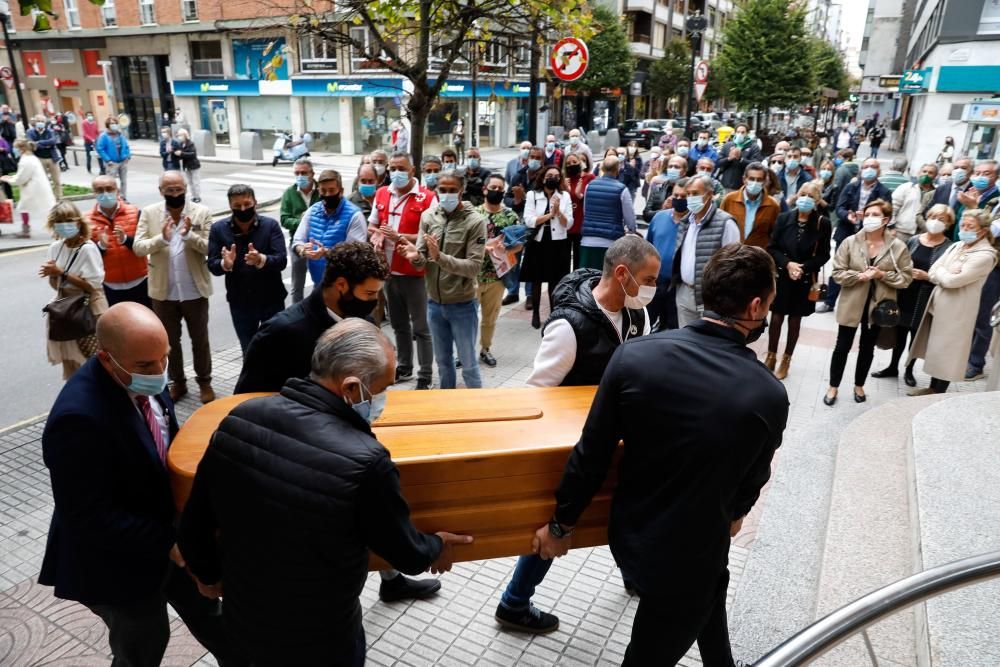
62,279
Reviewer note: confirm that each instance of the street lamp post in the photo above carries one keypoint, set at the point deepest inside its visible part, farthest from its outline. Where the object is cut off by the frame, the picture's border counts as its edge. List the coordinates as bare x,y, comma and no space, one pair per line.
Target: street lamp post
4,14
696,25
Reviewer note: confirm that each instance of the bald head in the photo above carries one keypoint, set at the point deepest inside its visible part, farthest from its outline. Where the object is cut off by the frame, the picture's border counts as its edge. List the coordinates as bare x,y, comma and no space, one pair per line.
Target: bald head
610,165
129,325
104,183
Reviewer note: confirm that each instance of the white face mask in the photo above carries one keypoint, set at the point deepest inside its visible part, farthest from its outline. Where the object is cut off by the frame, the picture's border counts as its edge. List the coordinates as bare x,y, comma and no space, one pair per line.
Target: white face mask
642,299
873,223
935,226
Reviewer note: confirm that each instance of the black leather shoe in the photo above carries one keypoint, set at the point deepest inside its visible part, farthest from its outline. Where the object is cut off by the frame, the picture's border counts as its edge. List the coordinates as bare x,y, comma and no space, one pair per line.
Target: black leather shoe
509,299
487,358
908,377
829,400
531,619
528,303
423,384
886,373
403,588
860,398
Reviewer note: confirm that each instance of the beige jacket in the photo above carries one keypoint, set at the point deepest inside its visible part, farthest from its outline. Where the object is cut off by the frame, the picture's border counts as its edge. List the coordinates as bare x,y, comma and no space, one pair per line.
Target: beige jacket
944,338
851,260
149,241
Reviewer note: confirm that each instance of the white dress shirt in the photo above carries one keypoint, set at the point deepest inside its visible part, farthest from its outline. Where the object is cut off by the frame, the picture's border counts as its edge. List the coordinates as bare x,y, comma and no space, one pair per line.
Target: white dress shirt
730,234
180,282
161,419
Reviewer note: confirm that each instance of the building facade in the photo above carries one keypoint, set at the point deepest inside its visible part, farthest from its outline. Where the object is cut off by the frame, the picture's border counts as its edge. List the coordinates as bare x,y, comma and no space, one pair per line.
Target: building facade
883,51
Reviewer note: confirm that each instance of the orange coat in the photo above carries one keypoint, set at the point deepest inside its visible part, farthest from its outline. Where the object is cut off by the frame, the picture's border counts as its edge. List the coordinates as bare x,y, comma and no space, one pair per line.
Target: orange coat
121,265
763,222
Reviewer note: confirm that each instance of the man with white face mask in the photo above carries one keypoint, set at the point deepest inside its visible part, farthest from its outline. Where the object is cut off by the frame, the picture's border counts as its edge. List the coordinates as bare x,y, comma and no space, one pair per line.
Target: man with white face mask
593,314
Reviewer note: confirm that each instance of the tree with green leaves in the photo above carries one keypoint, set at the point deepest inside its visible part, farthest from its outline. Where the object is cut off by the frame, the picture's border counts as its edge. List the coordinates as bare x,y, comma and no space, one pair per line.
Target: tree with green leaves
611,63
424,40
42,11
830,69
670,76
767,56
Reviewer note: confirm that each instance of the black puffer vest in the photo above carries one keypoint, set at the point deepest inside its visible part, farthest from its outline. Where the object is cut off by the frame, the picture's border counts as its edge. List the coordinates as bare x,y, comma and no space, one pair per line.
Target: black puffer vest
596,337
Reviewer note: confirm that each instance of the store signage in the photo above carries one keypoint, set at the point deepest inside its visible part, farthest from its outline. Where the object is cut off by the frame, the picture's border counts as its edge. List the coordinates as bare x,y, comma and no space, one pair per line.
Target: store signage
968,79
216,87
569,59
347,87
984,112
915,81
260,59
65,83
485,89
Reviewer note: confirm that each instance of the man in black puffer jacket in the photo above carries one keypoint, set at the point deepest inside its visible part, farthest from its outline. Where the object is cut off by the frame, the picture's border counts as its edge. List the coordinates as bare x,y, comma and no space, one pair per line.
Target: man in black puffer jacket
291,494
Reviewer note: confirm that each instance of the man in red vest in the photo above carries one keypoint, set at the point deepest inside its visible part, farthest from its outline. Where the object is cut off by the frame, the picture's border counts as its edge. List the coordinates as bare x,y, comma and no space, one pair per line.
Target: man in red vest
396,213
112,227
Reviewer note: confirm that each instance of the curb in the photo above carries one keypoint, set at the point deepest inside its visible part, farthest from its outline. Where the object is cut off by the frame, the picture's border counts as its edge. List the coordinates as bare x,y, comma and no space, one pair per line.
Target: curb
202,158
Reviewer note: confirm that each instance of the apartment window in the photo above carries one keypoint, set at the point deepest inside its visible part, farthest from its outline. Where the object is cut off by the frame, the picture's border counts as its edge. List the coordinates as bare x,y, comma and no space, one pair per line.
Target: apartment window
72,14
206,60
147,13
189,10
522,59
360,60
711,17
441,50
317,54
108,14
493,56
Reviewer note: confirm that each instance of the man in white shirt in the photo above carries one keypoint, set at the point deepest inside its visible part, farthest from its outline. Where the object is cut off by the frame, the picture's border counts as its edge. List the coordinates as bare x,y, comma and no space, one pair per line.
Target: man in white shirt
594,312
908,201
174,234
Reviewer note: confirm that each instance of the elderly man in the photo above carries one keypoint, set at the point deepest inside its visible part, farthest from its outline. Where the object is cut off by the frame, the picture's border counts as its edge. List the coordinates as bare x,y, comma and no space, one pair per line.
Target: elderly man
46,140
302,490
909,201
519,162
855,196
295,201
112,225
553,155
983,194
174,235
578,146
380,163
896,174
367,184
111,544
607,213
754,210
475,178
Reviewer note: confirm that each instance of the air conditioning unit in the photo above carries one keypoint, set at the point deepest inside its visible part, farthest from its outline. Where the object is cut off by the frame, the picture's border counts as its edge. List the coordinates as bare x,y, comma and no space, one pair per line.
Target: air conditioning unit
866,97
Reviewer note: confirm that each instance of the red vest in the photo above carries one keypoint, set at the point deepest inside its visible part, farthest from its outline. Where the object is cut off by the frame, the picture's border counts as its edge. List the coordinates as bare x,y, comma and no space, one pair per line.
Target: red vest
409,222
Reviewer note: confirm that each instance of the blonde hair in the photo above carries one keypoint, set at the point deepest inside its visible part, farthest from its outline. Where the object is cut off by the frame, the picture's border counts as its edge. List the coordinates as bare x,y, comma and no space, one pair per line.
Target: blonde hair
943,211
66,211
812,189
25,145
982,218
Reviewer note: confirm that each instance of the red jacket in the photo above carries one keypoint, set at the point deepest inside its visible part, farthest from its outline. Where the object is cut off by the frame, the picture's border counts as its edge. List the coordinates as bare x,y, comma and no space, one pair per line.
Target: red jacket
409,222
121,265
577,225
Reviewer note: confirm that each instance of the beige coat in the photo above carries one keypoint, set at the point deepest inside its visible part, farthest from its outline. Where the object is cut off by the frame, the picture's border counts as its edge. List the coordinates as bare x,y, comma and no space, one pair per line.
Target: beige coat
851,260
944,338
149,241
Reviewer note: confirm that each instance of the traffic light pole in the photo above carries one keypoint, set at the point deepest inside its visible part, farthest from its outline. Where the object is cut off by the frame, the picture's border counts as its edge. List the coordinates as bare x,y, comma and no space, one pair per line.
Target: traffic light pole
13,68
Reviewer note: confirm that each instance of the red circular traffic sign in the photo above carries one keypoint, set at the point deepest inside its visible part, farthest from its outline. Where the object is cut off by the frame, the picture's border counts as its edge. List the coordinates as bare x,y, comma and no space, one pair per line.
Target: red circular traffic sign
701,72
569,58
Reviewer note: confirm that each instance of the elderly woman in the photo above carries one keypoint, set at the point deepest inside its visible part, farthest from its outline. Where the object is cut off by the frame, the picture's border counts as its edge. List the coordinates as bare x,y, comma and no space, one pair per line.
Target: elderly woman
36,194
925,249
869,266
944,338
800,245
74,266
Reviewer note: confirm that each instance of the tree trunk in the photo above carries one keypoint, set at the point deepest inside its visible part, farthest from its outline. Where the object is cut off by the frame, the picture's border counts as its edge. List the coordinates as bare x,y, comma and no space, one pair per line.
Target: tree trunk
419,108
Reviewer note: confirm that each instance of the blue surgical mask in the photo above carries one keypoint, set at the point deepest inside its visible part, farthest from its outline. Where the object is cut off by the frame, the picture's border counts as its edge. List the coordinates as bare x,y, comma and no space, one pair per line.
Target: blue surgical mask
754,187
107,199
869,174
66,230
16,152
837,161
449,200
980,182
805,204
944,180
40,127
574,140
695,203
114,127
145,385
431,180
473,163
302,182
825,174
367,189
792,164
673,173
683,151
551,146
372,407
399,178
524,153
534,164
968,237
448,166
959,175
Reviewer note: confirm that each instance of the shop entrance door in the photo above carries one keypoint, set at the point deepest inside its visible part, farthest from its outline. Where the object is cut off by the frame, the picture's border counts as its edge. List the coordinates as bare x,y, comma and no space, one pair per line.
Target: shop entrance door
142,83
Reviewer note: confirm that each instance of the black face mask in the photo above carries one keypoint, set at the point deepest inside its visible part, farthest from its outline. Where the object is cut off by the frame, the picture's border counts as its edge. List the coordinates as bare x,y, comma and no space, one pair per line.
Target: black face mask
494,196
352,306
752,336
573,170
175,201
331,202
551,183
246,215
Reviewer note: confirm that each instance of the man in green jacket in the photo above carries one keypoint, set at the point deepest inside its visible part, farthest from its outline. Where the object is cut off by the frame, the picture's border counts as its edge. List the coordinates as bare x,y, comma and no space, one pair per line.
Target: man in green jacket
450,246
294,202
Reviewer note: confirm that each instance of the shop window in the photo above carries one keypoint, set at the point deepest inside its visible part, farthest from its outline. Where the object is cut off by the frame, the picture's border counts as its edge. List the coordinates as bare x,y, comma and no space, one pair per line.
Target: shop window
265,115
323,122
72,14
206,60
189,10
361,60
147,12
373,118
317,54
109,15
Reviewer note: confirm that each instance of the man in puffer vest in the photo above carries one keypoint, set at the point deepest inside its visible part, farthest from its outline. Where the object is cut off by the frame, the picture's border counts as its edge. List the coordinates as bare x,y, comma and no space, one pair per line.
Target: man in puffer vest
326,223
607,212
112,226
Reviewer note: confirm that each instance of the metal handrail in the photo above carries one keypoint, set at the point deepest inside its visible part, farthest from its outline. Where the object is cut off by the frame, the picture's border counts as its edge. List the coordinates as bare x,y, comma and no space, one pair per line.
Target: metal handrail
826,633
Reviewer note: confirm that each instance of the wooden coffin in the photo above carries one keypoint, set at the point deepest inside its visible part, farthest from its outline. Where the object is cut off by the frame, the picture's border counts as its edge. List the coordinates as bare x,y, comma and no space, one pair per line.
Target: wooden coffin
481,462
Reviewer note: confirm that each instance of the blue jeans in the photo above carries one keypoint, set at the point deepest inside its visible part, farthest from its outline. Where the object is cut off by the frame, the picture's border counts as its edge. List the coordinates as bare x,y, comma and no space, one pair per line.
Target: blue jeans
984,332
455,325
528,573
247,318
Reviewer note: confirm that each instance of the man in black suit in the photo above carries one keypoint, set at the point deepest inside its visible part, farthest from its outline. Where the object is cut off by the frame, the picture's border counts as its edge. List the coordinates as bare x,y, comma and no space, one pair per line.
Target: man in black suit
670,533
947,193
855,195
111,544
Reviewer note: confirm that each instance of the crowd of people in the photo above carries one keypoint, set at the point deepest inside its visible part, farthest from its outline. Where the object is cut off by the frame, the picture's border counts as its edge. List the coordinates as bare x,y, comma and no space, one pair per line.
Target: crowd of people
735,246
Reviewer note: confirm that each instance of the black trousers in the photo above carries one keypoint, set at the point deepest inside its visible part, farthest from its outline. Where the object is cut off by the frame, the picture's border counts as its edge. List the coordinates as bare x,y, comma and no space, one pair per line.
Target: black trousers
138,294
663,307
139,630
866,351
665,628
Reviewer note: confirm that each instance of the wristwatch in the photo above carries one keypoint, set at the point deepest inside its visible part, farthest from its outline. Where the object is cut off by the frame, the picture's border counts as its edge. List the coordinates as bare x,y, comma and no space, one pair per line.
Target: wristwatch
557,531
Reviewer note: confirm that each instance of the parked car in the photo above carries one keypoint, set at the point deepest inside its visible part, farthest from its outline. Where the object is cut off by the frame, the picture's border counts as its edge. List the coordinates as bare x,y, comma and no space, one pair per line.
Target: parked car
672,125
643,132
708,121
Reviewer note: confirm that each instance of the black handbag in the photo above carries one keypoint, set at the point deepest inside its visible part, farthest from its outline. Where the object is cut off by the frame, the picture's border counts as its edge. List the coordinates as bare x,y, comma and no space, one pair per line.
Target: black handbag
887,313
70,317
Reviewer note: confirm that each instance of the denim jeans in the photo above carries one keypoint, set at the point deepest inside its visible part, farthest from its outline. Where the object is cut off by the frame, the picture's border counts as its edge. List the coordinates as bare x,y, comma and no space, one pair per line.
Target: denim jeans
455,325
248,317
528,573
298,276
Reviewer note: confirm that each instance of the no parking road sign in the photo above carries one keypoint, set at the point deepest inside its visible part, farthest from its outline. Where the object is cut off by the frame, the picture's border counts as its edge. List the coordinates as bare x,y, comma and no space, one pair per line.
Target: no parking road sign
700,79
569,59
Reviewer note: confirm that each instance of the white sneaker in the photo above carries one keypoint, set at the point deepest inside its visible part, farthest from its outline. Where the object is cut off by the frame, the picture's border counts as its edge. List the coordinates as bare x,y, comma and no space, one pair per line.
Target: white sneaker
822,307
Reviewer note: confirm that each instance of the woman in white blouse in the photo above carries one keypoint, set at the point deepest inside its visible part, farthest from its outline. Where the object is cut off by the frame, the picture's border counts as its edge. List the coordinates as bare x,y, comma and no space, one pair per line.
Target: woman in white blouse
74,266
36,196
548,210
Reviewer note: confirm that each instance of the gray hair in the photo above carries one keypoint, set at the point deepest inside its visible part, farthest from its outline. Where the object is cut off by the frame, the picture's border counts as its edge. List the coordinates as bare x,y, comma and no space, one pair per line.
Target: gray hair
173,173
304,162
899,164
630,250
705,180
402,155
430,158
354,347
380,153
610,166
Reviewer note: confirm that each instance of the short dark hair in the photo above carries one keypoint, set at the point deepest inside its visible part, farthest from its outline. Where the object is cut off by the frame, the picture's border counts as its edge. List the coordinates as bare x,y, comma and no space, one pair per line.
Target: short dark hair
239,190
734,276
449,152
630,250
330,175
356,261
495,176
743,125
755,166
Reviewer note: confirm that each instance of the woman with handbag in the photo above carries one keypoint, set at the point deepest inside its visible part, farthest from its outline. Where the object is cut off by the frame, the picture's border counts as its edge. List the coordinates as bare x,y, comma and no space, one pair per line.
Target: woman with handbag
76,273
548,214
925,249
800,246
944,338
869,266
